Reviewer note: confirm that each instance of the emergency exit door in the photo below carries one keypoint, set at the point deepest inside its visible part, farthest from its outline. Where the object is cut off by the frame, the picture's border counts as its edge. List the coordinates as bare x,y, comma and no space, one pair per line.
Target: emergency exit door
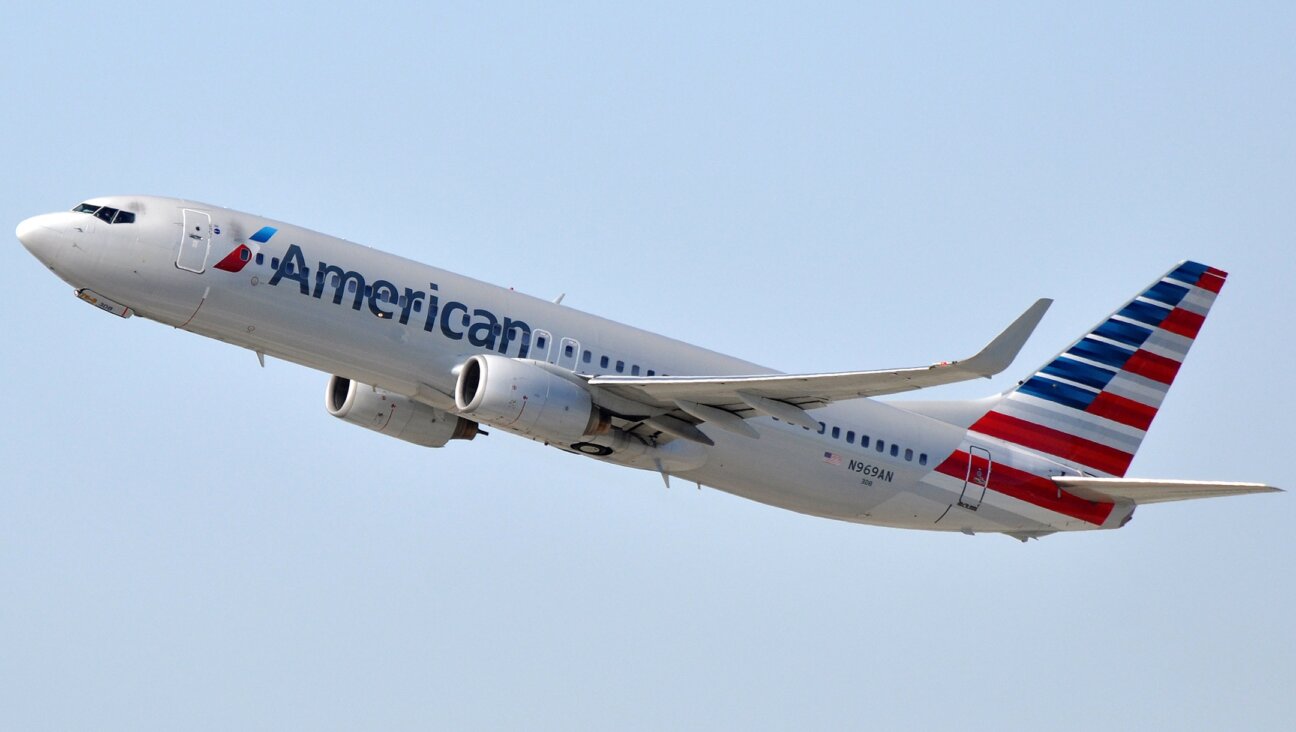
978,478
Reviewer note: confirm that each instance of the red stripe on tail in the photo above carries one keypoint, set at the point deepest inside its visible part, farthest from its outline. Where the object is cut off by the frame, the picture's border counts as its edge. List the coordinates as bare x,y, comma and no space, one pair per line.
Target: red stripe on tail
1183,322
1032,489
1054,442
1119,409
1212,279
1152,366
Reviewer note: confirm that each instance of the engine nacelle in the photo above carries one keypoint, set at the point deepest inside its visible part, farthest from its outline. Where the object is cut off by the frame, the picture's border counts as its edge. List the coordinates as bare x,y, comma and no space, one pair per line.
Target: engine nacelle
394,415
523,397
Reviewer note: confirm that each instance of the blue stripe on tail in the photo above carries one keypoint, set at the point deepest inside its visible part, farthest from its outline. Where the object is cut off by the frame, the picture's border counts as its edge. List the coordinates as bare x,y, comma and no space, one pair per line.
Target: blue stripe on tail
1109,354
1122,332
1056,391
1081,373
1166,292
1144,312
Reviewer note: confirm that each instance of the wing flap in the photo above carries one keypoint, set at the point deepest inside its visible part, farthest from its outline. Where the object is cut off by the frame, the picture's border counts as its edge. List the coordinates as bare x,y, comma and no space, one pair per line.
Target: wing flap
1142,491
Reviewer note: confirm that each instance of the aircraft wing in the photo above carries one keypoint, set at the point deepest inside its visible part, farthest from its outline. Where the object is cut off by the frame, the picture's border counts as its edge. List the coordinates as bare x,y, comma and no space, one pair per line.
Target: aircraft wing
726,400
1155,491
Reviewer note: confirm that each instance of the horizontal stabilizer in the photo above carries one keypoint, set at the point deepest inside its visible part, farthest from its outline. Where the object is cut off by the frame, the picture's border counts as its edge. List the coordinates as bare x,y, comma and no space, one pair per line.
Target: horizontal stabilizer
1155,491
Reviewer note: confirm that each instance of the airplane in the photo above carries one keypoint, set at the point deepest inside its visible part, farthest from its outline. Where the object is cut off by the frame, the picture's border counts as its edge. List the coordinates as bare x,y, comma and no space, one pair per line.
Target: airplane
428,356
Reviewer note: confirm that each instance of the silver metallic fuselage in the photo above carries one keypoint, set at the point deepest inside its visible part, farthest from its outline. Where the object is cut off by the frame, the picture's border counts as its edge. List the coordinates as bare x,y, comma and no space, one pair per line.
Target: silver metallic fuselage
136,265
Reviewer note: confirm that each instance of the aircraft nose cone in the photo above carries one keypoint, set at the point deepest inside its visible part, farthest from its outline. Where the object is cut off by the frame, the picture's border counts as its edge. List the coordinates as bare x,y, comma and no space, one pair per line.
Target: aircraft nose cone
39,237
28,230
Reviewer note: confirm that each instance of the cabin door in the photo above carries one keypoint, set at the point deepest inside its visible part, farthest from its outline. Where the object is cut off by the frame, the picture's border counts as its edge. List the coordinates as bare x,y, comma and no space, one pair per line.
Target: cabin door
195,240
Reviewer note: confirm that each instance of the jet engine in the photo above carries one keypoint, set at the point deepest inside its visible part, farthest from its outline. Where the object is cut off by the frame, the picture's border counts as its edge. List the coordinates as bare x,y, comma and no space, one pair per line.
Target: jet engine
394,415
524,397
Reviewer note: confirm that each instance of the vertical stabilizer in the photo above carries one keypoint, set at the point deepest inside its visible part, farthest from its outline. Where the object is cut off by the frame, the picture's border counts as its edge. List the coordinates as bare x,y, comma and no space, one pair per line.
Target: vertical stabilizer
1091,405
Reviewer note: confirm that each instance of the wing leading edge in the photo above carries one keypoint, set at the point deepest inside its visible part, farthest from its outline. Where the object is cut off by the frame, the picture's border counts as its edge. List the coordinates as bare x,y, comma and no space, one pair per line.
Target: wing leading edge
786,396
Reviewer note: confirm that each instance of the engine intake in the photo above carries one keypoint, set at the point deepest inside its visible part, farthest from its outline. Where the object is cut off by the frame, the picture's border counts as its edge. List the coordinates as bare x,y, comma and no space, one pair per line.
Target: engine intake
521,396
394,415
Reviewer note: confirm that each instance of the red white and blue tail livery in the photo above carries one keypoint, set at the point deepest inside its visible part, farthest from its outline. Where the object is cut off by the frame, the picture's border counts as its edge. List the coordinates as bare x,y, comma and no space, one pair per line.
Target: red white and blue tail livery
1091,405
427,356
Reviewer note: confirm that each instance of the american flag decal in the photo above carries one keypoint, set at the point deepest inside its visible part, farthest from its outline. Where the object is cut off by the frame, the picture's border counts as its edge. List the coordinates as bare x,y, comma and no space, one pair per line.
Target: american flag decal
832,458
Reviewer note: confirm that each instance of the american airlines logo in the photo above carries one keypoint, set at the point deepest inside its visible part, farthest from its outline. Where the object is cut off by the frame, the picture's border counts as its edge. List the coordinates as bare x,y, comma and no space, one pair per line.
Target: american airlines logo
455,320
236,260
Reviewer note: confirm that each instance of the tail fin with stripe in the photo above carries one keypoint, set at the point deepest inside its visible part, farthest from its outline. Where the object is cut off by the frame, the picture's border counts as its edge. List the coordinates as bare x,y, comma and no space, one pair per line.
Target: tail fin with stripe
1091,405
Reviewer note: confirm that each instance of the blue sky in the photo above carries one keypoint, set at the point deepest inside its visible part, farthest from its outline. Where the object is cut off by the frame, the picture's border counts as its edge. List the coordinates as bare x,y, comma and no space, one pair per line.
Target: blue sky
187,540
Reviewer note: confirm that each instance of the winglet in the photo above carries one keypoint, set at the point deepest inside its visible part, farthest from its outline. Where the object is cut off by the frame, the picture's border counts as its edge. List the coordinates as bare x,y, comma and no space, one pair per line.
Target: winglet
999,354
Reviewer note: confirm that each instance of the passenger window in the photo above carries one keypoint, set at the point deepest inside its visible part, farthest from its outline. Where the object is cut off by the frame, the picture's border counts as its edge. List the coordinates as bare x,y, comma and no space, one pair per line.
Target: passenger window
335,280
922,458
634,370
908,455
603,362
542,343
822,427
274,264
850,436
620,367
895,450
351,285
260,259
587,357
864,440
568,351
651,372
244,254
836,433
881,445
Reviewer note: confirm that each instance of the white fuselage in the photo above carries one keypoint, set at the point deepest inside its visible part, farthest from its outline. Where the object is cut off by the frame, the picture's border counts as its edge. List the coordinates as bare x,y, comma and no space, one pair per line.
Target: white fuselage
416,324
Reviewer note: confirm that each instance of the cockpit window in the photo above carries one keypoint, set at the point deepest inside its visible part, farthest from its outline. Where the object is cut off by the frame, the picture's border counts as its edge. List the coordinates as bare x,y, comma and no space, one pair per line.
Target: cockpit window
107,213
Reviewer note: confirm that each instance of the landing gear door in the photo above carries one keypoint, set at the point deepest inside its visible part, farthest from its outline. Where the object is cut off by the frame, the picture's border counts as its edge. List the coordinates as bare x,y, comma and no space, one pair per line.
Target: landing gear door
978,478
195,240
